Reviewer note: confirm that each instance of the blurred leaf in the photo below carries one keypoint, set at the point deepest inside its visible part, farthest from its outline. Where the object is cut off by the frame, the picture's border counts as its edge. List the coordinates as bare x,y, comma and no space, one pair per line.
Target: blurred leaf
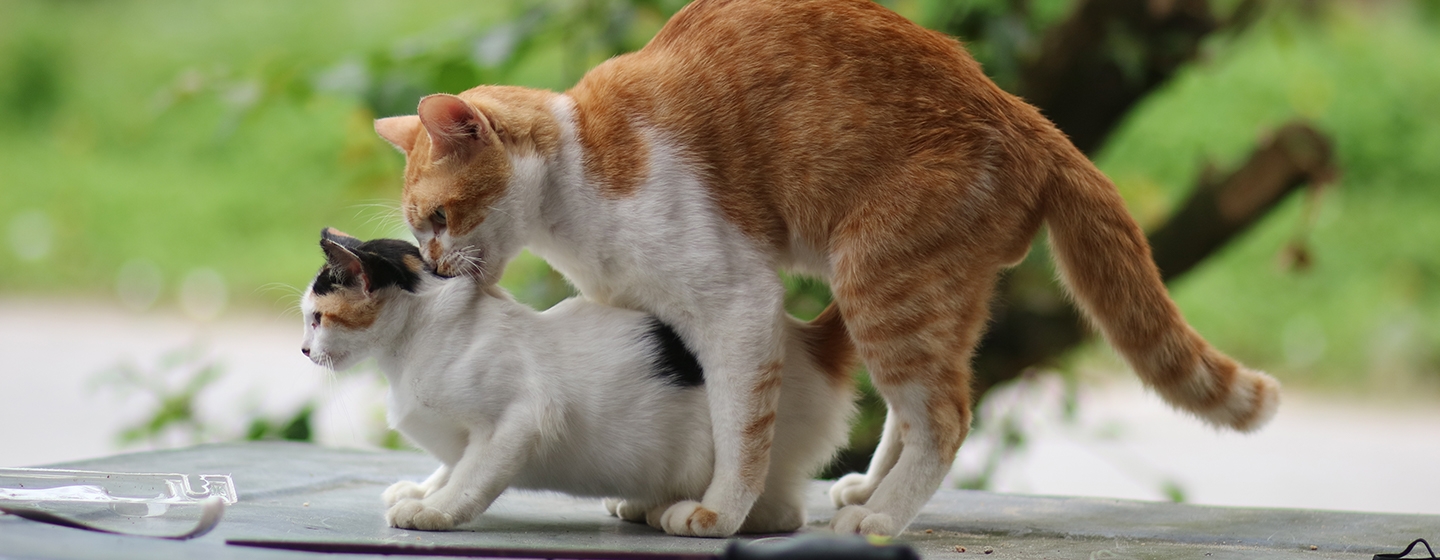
392,440
1173,491
298,429
31,91
177,381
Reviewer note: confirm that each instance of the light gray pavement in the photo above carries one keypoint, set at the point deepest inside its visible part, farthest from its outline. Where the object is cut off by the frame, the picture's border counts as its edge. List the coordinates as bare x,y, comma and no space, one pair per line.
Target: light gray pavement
1321,452
295,492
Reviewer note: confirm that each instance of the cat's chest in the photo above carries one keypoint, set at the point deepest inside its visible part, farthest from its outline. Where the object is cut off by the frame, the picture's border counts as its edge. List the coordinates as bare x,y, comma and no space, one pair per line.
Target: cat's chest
452,388
421,397
428,420
640,256
406,406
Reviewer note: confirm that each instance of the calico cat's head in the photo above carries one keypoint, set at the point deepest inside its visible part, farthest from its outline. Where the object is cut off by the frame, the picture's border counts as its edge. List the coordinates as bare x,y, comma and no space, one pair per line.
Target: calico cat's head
346,298
471,171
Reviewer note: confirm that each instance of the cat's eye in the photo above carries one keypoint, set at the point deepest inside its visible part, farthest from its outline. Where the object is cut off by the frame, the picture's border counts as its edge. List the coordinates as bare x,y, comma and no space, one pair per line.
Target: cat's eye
438,219
315,319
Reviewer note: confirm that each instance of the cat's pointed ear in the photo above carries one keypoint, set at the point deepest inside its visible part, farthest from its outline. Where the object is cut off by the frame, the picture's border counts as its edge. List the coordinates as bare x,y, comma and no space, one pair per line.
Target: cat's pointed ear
400,132
345,263
344,239
454,125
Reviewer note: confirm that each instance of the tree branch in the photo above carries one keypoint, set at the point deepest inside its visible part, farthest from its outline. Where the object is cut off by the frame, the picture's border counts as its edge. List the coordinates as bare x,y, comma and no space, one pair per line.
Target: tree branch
1217,211
1093,67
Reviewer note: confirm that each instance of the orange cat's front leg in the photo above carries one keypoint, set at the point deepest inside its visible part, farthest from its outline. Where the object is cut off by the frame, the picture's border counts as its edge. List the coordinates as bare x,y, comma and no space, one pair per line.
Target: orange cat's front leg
741,350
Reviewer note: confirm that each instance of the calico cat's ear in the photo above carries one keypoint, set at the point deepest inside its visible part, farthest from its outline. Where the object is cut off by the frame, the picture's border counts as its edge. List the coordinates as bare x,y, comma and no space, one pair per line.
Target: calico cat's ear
454,125
400,132
345,264
344,239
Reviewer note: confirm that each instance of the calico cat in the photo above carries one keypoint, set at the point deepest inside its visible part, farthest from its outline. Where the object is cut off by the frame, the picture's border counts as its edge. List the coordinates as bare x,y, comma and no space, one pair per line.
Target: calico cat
825,137
584,399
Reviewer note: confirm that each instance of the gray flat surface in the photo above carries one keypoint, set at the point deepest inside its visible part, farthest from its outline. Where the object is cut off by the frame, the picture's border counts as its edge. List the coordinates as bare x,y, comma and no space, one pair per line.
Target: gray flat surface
307,493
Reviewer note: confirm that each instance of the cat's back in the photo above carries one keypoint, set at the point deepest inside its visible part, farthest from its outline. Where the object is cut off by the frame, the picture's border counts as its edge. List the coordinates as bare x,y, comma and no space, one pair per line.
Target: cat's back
760,27
745,58
781,103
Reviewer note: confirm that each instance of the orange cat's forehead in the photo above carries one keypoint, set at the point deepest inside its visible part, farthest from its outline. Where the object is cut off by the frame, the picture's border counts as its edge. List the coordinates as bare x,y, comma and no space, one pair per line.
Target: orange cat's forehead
466,188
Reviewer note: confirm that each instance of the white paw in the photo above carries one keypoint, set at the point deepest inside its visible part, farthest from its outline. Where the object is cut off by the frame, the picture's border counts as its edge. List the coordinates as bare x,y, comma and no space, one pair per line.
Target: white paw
414,514
401,491
625,509
690,519
857,519
851,490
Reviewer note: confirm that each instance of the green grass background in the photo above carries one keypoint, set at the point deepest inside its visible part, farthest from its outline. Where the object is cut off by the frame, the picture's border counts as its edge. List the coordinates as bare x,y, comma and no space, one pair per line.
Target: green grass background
212,135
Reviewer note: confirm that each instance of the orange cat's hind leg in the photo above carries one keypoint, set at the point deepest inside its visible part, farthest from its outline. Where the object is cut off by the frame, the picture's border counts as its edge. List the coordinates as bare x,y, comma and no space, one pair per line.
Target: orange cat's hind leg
855,488
915,327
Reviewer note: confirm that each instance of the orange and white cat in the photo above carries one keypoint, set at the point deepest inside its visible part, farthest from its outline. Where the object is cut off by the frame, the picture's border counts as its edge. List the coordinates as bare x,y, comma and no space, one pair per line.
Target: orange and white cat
825,137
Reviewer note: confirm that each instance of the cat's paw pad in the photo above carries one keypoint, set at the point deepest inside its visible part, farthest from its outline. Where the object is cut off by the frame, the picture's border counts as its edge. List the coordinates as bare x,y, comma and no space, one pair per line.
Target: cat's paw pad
851,490
414,514
858,519
690,519
403,490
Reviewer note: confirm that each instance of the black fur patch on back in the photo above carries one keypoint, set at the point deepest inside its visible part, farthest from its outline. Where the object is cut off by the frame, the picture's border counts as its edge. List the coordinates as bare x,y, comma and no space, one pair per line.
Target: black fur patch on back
673,362
384,262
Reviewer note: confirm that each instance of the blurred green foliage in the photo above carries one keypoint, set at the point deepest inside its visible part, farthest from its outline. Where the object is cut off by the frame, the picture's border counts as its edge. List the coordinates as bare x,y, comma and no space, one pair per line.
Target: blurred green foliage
173,386
225,135
295,428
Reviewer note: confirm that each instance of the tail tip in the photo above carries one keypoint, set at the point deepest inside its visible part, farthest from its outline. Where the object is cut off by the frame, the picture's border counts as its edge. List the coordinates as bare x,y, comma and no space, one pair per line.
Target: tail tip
1253,400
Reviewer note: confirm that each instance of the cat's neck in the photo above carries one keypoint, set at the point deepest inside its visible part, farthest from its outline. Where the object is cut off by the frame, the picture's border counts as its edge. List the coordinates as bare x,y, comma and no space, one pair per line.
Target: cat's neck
442,315
565,203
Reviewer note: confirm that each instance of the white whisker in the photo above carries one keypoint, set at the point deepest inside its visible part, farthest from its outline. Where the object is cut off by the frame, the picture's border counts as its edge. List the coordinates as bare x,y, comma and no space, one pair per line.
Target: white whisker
290,295
497,209
387,213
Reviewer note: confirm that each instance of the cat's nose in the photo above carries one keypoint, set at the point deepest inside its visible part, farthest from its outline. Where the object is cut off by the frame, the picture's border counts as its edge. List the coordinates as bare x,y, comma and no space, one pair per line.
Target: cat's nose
305,351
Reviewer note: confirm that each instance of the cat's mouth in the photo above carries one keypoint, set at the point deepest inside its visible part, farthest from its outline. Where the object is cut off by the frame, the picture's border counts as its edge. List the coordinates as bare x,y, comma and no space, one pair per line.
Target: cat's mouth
327,360
466,261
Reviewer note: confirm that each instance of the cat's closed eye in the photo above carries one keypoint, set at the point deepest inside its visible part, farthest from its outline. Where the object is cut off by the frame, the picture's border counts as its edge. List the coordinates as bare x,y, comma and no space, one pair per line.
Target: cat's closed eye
438,219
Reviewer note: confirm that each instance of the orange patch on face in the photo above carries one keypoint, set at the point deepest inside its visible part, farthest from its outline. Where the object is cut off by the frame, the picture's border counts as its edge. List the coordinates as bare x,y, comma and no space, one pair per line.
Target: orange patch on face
468,185
347,308
433,249
465,189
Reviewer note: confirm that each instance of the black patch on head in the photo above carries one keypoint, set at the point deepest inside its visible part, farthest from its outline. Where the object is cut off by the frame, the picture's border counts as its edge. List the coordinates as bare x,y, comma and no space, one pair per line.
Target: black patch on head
329,279
385,263
382,259
672,361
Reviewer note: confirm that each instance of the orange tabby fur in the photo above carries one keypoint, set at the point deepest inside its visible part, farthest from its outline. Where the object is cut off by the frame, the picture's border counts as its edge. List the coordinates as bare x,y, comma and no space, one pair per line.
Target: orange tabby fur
840,129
